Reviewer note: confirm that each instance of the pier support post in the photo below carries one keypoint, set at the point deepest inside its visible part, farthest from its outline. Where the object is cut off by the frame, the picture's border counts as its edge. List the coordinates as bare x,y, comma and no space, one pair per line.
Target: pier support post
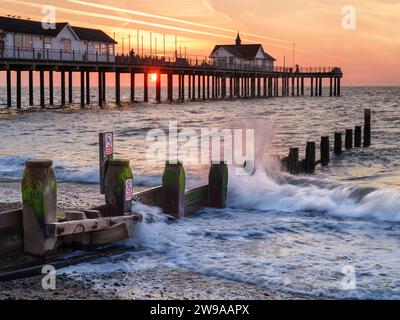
338,87
213,87
218,185
173,189
51,88
82,89
357,136
118,187
179,87
145,86
170,86
258,87
316,87
30,87
230,88
8,75
117,88
367,127
62,75
41,80
324,150
100,88
19,89
70,87
292,86
320,87
193,87
310,158
298,86
208,87
158,87
39,198
189,87
183,87
199,86
312,86
223,87
330,86
302,86
337,144
348,141
104,81
293,161
132,86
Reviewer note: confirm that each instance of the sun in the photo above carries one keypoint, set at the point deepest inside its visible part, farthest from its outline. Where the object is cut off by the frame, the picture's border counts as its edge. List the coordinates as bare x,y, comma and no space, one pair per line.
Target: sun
153,77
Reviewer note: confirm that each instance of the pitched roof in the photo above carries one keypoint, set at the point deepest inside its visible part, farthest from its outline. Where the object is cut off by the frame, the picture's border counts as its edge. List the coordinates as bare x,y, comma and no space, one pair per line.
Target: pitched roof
14,25
29,27
93,35
244,51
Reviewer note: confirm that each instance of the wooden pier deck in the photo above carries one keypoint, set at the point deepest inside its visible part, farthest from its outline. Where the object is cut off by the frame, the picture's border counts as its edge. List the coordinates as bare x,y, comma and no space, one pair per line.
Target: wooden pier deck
200,81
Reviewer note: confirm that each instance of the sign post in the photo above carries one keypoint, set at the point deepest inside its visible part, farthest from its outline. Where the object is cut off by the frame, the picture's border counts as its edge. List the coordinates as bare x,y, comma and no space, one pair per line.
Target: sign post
106,153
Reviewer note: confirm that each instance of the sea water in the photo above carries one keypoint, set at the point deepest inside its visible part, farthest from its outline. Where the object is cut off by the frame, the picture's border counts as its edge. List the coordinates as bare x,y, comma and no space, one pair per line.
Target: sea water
297,234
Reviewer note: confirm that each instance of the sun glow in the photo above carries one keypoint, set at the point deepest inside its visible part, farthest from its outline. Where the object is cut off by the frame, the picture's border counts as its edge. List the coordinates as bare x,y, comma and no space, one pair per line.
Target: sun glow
153,77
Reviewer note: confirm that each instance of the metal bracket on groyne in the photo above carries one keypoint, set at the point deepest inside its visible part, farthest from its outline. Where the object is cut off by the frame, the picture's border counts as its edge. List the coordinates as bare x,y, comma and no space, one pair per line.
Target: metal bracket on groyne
294,165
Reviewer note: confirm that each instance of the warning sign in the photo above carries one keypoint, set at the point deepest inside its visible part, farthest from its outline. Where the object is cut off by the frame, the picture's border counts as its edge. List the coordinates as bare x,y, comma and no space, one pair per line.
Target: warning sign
108,139
128,190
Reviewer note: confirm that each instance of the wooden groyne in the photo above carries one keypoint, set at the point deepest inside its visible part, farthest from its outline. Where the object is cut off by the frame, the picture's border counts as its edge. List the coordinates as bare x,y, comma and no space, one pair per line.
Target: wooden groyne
193,82
294,165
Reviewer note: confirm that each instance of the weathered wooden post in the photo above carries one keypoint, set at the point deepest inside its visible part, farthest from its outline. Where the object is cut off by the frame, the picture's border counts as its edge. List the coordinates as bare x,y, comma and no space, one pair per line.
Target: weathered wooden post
118,187
310,158
293,161
170,86
312,86
357,136
8,76
158,87
145,86
132,86
337,147
41,80
62,88
218,185
70,87
324,150
348,141
82,88
203,77
19,89
117,87
106,153
367,127
183,87
100,88
173,189
51,88
39,198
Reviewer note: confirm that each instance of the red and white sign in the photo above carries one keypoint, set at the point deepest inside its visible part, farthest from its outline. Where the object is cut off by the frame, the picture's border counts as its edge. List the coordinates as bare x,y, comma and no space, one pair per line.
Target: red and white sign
108,139
128,190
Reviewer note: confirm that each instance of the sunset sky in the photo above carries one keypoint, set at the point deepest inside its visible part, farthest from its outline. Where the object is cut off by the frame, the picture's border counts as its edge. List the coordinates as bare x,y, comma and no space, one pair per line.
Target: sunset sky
368,54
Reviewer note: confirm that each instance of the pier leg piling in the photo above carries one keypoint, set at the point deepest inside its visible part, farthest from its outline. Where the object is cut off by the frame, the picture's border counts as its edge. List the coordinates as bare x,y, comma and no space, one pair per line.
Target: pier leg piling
41,80
170,86
62,75
312,86
8,75
117,88
82,89
145,86
158,88
30,87
19,89
51,88
70,87
133,86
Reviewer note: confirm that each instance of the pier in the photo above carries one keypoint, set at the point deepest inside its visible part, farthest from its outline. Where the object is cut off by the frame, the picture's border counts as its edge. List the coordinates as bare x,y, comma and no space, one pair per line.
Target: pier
185,79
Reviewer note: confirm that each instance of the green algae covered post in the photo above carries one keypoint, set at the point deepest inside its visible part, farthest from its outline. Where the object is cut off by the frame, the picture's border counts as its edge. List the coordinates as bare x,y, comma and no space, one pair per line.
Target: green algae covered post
118,187
106,151
173,189
218,185
39,198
